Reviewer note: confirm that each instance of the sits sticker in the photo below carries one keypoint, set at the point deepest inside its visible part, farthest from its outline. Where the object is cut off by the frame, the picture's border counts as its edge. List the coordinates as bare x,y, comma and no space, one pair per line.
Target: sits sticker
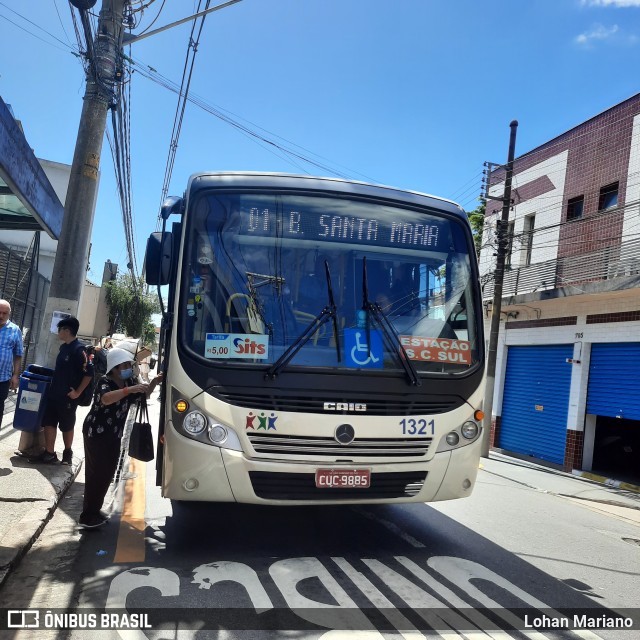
236,345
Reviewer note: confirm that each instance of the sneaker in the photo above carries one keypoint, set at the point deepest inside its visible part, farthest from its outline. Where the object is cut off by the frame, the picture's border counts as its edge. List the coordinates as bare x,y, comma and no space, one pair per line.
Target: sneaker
45,457
91,522
67,456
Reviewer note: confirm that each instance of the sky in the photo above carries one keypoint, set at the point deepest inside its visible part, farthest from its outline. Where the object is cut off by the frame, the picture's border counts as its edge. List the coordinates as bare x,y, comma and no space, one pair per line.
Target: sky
416,94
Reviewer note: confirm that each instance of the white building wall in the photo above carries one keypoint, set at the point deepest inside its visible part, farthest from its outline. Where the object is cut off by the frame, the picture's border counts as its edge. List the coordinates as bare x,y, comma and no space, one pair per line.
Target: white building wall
93,312
631,223
579,384
547,209
88,309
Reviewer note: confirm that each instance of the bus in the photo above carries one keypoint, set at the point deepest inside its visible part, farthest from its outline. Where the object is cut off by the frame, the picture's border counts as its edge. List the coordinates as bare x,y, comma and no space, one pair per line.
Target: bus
322,341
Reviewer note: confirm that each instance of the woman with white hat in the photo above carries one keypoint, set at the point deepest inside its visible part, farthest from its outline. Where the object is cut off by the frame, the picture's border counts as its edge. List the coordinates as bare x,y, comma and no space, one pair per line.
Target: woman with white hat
102,431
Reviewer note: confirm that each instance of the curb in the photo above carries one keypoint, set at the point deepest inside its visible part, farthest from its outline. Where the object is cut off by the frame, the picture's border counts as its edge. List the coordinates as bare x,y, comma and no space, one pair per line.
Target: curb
22,537
617,484
587,476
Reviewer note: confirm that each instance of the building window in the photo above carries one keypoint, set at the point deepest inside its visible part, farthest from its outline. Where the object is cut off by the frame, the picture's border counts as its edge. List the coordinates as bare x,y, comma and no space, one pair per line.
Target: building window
608,197
527,238
575,207
509,243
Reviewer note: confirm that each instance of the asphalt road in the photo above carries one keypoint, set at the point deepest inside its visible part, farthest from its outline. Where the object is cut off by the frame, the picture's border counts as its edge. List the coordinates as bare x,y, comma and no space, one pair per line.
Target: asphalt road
232,571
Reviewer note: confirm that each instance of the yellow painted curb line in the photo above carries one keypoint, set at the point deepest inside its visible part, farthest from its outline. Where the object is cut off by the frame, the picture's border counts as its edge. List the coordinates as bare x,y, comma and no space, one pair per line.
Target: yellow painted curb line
130,546
607,481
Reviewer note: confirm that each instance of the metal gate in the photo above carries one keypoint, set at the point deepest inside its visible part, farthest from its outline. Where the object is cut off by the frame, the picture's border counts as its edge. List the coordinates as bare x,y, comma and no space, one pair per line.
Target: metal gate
536,401
614,380
26,290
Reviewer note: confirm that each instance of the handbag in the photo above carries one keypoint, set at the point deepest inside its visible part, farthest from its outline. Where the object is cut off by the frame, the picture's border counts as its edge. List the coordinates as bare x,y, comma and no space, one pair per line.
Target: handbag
141,438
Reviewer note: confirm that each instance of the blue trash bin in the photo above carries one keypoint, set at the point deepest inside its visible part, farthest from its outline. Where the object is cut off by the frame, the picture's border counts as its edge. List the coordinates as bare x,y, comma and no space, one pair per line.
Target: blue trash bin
32,392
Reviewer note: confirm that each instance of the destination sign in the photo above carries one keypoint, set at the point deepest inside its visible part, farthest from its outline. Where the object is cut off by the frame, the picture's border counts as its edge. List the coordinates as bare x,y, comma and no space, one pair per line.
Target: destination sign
415,232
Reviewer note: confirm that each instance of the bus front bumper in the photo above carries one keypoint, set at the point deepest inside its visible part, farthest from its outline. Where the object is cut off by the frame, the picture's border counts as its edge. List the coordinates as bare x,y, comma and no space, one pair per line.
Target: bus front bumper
223,475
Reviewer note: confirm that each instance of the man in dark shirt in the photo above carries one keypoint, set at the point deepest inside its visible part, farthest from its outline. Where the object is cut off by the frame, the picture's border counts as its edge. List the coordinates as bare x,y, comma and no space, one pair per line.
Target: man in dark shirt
72,374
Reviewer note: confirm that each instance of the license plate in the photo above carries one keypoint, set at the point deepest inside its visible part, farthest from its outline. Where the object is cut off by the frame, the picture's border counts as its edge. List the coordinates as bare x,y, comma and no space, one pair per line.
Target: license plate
343,478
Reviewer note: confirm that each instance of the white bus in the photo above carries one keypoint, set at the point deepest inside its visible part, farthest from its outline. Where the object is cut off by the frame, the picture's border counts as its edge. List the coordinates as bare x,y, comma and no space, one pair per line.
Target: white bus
322,343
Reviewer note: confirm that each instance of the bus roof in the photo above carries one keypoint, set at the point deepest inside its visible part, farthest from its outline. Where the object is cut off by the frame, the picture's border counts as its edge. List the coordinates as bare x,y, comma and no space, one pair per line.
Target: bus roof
237,179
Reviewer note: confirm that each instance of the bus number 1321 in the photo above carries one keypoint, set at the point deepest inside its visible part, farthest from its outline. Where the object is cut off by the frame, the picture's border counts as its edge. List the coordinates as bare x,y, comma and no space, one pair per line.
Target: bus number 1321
420,427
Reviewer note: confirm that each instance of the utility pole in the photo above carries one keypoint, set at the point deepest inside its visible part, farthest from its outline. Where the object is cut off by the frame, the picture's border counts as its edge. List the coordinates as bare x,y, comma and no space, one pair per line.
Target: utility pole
104,71
69,270
496,308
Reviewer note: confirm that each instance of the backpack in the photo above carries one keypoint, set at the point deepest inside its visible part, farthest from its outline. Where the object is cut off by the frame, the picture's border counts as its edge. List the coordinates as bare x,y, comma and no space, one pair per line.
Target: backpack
85,398
100,362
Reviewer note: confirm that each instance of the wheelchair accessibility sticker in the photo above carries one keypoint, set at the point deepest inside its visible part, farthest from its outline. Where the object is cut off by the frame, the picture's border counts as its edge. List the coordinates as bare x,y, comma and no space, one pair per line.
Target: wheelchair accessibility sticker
359,355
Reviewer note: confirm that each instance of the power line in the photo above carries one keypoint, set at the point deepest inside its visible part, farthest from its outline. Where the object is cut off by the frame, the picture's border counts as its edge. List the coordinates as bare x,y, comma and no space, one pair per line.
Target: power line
152,74
551,208
55,3
67,47
580,165
183,96
37,26
119,141
141,9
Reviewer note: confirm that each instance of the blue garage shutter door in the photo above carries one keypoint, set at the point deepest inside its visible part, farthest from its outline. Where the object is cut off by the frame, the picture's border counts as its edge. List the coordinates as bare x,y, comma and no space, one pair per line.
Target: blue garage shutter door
536,401
614,380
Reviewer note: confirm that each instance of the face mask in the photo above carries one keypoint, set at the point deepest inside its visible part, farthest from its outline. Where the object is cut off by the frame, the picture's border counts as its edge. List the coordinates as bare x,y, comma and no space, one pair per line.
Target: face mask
126,374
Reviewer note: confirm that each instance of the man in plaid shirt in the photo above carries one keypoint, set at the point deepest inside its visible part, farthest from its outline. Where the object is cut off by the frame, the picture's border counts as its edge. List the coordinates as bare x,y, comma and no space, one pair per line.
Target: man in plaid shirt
10,353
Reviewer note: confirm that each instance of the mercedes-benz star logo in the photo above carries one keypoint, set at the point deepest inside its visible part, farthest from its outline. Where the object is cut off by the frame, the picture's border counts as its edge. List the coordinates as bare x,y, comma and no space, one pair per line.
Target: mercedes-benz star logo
345,434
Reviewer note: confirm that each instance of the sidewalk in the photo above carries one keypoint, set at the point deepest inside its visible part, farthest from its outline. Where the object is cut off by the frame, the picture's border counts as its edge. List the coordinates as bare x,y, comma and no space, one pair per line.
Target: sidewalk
597,492
30,493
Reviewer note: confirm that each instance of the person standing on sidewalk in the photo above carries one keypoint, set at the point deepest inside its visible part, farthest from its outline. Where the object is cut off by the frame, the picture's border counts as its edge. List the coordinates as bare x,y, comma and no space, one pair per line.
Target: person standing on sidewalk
103,428
11,351
72,374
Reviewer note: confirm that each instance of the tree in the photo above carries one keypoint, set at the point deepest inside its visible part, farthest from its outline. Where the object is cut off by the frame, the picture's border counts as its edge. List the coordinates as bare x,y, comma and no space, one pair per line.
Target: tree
476,219
130,309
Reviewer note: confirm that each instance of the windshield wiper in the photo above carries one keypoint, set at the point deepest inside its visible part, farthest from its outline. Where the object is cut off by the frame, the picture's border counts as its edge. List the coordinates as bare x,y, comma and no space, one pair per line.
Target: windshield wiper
328,313
388,330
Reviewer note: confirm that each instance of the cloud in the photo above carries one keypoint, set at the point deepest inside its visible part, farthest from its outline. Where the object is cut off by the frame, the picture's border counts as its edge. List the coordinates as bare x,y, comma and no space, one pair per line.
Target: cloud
599,32
611,3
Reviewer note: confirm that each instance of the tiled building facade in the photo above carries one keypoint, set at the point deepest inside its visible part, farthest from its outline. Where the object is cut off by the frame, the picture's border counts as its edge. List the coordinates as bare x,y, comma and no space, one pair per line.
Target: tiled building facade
567,385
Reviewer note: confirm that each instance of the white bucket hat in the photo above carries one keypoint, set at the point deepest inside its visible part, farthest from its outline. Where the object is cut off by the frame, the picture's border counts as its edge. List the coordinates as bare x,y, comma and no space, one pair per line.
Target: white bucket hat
117,356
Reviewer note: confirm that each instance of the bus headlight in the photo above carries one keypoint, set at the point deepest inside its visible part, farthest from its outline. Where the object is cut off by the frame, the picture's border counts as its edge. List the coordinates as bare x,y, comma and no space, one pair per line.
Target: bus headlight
194,423
217,433
469,430
452,438
466,434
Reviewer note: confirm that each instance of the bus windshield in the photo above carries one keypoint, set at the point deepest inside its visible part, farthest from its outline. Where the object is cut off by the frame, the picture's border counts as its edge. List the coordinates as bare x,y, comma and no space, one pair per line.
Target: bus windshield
258,267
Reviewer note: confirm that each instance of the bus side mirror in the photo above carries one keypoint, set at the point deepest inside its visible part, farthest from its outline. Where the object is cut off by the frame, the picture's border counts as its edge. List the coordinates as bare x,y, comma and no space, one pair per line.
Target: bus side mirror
172,205
158,258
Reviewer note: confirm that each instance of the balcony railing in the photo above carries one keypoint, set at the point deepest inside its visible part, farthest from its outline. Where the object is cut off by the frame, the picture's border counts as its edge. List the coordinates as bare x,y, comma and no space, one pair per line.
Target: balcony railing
605,263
